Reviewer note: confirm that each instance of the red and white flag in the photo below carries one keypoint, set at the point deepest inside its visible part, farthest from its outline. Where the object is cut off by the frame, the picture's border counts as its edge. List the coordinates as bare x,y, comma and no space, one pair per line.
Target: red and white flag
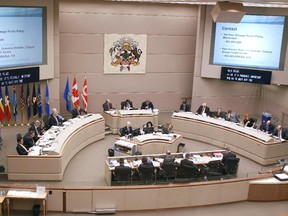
75,94
84,95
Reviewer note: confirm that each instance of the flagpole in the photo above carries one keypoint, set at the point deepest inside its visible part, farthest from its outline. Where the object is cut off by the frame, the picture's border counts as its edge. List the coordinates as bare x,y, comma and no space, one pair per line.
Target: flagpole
22,117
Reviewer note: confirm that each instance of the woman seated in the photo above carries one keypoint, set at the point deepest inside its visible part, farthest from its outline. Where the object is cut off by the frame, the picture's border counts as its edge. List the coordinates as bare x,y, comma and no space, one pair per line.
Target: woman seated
148,127
248,121
167,128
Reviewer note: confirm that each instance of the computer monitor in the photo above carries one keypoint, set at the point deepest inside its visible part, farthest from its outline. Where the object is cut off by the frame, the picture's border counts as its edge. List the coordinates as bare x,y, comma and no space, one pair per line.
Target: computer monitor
148,130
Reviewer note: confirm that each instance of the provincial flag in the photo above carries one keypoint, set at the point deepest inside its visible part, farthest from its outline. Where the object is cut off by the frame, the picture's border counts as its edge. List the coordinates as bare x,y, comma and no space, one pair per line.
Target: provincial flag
28,102
1,106
39,103
47,104
75,94
67,96
85,95
22,97
7,108
15,108
34,102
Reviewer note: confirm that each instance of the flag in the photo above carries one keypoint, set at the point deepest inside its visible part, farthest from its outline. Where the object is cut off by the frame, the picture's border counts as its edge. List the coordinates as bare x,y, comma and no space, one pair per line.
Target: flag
75,94
85,95
22,98
47,105
39,103
1,106
15,108
66,96
7,108
28,102
34,102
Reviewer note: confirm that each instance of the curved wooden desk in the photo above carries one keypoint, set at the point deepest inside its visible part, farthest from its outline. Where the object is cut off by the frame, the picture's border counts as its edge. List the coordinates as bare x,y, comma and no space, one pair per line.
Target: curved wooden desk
68,143
250,143
117,119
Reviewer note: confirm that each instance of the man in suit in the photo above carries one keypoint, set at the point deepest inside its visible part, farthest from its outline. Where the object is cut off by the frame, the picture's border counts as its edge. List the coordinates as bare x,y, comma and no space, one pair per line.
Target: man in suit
187,162
203,110
77,111
218,114
147,105
280,133
107,106
127,130
268,127
227,154
20,148
36,127
122,172
55,119
168,157
29,139
185,107
232,117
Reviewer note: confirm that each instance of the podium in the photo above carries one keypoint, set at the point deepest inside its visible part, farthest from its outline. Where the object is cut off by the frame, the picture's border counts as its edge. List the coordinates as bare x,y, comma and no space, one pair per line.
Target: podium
265,117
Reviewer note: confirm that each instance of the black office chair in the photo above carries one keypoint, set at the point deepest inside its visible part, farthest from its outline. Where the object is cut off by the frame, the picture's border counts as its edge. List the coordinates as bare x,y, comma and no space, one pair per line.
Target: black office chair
46,122
123,175
168,170
147,174
191,172
231,165
213,170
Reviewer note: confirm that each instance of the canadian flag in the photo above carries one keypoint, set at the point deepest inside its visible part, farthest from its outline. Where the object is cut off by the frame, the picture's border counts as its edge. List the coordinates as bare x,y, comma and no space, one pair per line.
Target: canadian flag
75,94
85,95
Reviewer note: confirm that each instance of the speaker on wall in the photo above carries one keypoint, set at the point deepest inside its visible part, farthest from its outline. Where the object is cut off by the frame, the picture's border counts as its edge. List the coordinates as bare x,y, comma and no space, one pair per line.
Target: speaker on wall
228,12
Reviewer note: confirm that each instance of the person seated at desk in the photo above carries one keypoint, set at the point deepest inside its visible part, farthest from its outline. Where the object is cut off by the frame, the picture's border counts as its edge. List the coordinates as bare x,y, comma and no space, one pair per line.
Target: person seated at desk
168,157
121,167
145,164
268,127
187,162
28,140
167,128
20,148
203,110
107,106
184,107
232,117
147,105
127,105
77,111
127,130
281,133
36,127
248,121
218,114
55,119
148,127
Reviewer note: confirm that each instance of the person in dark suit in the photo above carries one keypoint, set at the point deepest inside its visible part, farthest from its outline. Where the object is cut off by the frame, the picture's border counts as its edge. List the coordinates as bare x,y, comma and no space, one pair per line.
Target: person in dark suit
36,127
20,148
268,127
281,133
145,164
185,107
127,105
168,157
55,119
119,170
232,117
127,130
77,111
29,139
218,114
147,105
107,105
203,110
187,162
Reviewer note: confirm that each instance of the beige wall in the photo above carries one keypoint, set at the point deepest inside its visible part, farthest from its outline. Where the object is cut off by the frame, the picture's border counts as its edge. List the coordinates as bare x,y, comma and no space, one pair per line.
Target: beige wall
171,40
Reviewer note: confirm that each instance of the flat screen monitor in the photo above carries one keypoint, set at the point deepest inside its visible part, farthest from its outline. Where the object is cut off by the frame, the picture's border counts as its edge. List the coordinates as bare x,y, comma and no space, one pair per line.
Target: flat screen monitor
136,132
148,130
258,41
23,40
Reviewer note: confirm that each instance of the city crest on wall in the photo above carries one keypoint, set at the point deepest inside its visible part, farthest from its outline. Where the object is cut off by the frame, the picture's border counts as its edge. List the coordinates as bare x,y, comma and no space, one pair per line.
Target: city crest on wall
125,54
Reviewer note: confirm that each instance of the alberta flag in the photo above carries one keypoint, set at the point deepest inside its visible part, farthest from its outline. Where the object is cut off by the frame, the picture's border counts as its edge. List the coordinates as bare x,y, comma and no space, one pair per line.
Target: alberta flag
67,96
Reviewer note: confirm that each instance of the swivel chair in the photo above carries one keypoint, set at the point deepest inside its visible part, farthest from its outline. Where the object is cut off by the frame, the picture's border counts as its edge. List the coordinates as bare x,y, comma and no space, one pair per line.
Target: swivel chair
147,174
190,172
231,165
123,175
168,170
213,170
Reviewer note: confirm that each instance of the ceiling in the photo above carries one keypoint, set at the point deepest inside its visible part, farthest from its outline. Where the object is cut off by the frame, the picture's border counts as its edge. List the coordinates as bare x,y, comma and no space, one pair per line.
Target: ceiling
248,3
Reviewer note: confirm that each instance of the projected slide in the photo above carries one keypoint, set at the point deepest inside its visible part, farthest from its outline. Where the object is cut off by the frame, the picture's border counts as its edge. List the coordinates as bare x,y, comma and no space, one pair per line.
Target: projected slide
21,40
254,42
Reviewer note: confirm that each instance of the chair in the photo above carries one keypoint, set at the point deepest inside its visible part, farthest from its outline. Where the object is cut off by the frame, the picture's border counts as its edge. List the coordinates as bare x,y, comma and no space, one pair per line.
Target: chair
231,165
190,171
46,122
123,175
168,170
213,168
147,174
